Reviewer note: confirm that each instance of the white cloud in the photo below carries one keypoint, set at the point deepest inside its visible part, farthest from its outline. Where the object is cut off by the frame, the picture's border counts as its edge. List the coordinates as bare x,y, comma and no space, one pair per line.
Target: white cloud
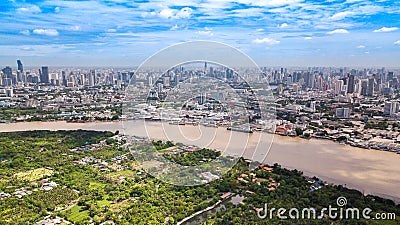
57,9
397,42
266,40
341,15
25,32
386,29
308,38
29,9
269,3
75,28
339,31
283,25
206,32
184,13
259,30
363,10
47,32
361,46
168,13
111,30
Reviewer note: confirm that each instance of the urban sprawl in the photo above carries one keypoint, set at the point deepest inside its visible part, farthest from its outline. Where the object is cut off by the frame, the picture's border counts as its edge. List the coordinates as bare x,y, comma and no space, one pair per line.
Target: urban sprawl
358,107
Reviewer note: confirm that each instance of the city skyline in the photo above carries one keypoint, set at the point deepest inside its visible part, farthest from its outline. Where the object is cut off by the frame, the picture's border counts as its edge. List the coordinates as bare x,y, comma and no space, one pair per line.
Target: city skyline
354,33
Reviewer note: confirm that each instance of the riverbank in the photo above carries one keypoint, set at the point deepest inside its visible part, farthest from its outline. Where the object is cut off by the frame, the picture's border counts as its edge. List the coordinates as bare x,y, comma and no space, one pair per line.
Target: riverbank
370,171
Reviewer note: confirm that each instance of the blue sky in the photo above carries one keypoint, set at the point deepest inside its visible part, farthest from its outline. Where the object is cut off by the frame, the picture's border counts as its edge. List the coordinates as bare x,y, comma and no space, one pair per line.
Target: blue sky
272,32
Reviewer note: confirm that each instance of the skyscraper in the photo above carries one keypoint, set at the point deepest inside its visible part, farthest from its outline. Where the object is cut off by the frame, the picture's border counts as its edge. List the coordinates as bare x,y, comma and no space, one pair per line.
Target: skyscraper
364,87
350,84
371,86
6,79
20,66
92,78
44,75
64,78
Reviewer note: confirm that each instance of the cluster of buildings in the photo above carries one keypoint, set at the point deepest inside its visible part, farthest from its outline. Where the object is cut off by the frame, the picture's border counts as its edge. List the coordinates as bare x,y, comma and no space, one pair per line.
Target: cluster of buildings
50,220
90,147
62,77
345,105
62,93
313,102
114,164
210,96
315,183
43,185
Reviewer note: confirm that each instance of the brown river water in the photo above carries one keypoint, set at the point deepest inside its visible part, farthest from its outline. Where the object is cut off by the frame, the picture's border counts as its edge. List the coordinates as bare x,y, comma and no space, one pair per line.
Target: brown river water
370,171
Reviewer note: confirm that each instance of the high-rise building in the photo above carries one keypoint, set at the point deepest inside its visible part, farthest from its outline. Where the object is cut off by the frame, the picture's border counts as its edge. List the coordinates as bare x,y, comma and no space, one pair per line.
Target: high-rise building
20,66
350,84
371,86
44,75
6,79
92,78
64,78
339,86
312,106
364,87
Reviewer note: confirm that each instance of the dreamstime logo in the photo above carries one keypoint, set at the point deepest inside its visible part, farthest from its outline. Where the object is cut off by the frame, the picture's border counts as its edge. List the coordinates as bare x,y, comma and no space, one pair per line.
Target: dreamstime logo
203,95
341,201
331,212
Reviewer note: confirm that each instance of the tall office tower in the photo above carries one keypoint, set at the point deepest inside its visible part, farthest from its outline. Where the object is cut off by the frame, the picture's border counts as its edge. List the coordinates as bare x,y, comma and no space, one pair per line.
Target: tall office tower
44,75
364,87
82,80
371,86
289,79
339,86
211,71
390,76
312,80
6,80
20,76
350,84
229,74
395,83
64,78
20,66
92,78
132,76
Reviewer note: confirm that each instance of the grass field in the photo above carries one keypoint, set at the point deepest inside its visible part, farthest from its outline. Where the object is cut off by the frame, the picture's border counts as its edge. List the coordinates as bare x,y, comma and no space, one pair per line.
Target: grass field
96,185
77,215
103,203
124,173
34,175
